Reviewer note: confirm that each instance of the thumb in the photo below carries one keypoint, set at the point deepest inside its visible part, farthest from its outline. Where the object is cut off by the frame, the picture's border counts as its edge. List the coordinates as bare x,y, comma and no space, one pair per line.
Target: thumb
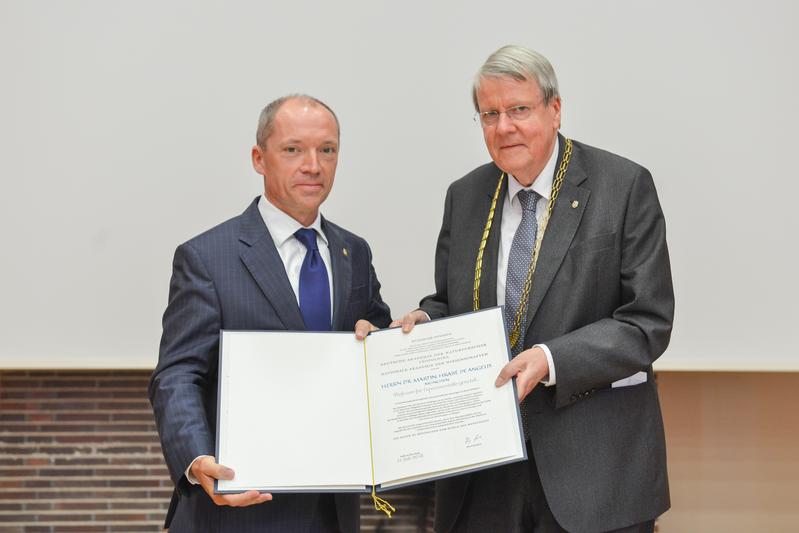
507,372
411,319
210,467
362,329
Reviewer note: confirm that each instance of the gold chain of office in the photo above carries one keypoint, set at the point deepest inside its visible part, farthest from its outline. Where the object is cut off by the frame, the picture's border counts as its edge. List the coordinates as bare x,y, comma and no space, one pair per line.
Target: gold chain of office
528,282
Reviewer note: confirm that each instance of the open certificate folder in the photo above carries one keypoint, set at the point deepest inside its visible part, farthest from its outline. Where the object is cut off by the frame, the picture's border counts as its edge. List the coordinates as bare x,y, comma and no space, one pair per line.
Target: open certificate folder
323,412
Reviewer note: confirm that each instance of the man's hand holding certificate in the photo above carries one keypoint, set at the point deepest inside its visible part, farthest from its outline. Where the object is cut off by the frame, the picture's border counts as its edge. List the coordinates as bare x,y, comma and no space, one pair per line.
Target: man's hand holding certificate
318,412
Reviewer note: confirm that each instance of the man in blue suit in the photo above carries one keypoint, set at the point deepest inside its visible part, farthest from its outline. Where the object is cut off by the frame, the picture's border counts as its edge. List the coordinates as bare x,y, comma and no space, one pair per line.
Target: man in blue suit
278,266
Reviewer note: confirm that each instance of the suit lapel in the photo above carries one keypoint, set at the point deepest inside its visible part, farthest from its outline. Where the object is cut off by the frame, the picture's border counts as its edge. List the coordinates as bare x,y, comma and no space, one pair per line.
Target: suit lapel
560,231
264,264
488,279
342,273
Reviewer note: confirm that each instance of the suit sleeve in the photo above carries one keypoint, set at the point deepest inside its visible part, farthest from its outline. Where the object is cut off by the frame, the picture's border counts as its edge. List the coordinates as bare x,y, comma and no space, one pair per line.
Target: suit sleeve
378,312
638,330
187,363
436,305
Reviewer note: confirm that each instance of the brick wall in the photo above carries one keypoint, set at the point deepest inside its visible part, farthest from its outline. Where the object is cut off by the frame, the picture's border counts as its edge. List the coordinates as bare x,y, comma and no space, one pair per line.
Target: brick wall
79,453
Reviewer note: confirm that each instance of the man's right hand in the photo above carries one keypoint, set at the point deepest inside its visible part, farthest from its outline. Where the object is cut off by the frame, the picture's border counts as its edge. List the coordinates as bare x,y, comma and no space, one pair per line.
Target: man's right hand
205,469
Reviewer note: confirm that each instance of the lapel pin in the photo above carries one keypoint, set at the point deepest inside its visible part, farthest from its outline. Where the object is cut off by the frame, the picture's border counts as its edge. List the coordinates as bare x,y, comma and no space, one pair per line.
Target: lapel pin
575,203
344,251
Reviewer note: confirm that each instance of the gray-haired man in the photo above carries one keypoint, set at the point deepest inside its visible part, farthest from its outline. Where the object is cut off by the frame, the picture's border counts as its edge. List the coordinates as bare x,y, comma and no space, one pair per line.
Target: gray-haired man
571,239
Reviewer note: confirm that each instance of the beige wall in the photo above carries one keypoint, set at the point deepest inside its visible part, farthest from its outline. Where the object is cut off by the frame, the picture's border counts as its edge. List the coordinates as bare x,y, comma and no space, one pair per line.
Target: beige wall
733,451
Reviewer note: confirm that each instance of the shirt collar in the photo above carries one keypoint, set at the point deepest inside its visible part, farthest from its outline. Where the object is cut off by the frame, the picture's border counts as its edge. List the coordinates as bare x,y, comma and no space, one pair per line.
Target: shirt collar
542,184
282,226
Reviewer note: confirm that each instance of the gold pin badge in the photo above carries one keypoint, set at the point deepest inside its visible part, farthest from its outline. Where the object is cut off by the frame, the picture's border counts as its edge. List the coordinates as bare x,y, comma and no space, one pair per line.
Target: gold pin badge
344,251
575,203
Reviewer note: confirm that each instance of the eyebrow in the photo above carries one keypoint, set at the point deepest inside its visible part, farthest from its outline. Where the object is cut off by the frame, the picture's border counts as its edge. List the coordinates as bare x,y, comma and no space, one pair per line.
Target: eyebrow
525,104
303,141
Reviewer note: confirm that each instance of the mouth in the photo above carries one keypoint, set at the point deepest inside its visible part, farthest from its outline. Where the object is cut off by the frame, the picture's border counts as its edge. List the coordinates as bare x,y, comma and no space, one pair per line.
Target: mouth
511,146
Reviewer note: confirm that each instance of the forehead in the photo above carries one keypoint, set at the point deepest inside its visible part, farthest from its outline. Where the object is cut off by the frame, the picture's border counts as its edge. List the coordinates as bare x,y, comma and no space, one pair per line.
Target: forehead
504,90
305,119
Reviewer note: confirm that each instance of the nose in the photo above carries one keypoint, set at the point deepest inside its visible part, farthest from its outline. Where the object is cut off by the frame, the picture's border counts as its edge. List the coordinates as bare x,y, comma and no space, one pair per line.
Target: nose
310,163
505,124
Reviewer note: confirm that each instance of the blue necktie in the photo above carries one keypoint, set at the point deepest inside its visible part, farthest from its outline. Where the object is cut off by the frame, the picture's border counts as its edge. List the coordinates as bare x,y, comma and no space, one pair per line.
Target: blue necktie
314,285
519,258
521,252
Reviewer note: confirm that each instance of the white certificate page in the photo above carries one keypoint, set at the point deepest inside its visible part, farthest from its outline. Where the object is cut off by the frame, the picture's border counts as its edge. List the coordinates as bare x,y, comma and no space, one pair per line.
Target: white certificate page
292,411
435,409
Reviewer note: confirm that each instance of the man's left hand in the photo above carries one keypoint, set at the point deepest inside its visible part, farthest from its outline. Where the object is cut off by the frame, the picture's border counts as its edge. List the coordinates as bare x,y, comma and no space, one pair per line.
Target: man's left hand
529,368
363,328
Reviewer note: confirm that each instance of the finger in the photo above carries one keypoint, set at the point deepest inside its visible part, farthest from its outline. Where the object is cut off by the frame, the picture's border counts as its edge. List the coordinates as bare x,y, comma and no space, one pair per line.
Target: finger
362,329
523,387
408,321
251,497
210,467
527,380
207,483
507,372
395,323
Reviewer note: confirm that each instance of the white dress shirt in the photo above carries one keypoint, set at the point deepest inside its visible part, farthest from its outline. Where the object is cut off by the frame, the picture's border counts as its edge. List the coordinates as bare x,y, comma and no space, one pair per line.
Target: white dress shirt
282,227
511,218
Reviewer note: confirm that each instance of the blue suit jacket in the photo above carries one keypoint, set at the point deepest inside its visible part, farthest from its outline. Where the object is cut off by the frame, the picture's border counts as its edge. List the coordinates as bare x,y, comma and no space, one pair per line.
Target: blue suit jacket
231,277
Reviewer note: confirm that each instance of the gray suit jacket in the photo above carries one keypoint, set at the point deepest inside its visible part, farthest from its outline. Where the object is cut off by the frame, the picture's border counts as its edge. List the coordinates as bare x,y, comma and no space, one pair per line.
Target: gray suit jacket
602,301
231,277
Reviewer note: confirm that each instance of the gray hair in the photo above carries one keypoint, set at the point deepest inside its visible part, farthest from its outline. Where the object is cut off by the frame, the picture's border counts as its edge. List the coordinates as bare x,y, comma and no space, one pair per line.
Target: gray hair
521,64
266,122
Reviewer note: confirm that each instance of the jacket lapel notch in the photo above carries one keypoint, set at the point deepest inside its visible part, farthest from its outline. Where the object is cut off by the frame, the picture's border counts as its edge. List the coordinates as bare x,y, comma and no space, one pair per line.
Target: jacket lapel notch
263,262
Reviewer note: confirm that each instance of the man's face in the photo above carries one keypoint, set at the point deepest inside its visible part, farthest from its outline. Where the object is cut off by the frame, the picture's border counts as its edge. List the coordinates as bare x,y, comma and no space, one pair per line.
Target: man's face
519,147
299,160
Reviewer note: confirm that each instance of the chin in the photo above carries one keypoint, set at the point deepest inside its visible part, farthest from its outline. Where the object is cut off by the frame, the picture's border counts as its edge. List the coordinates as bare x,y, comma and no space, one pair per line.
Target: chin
513,170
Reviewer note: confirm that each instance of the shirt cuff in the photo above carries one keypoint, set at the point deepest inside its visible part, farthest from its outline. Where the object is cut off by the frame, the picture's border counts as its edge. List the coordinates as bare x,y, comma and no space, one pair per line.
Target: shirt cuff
550,380
193,480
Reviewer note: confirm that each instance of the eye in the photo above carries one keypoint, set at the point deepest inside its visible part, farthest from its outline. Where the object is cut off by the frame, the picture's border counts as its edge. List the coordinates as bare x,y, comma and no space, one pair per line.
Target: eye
519,111
291,149
330,150
489,118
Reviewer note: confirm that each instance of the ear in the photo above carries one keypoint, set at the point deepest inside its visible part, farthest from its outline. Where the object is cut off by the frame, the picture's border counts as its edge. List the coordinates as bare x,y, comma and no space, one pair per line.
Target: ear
555,103
258,160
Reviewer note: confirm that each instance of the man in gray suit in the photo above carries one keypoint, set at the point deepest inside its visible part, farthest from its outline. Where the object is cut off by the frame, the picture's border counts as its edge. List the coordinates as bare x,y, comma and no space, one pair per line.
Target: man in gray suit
571,240
278,266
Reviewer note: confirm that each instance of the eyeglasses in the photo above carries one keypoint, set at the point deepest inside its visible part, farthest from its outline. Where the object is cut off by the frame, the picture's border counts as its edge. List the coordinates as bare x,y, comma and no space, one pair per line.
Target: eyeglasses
515,113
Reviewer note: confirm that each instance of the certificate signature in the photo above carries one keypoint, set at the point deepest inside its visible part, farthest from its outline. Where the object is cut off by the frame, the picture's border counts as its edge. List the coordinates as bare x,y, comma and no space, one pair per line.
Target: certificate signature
473,441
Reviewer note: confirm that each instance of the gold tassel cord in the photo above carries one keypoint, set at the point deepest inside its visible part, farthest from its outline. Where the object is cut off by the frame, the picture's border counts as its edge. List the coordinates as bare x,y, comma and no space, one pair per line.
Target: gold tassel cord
380,503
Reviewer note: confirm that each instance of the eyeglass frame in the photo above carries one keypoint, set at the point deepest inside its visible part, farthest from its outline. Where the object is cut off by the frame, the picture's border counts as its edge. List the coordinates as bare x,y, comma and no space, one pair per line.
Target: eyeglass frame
479,116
